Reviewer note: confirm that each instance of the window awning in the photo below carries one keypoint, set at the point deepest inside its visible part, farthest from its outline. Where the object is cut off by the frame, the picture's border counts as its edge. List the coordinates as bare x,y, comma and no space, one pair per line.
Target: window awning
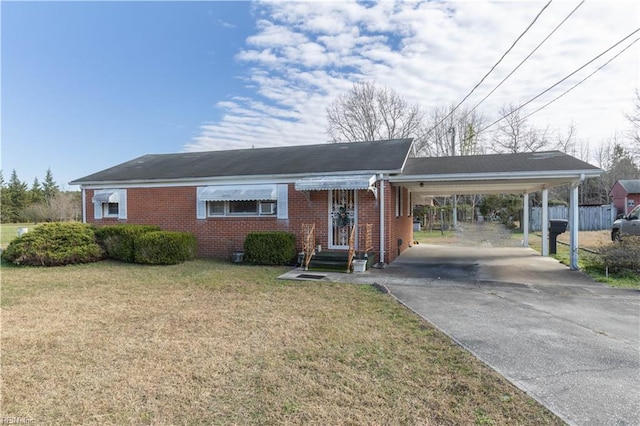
324,183
238,193
110,196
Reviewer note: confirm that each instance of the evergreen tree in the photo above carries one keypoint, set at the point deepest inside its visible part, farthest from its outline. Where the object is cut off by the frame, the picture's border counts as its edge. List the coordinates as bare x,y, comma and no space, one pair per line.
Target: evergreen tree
49,188
622,164
17,198
5,202
36,194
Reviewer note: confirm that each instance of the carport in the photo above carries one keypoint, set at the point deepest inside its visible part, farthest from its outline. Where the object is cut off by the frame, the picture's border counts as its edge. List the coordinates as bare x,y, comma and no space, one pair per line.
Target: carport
520,173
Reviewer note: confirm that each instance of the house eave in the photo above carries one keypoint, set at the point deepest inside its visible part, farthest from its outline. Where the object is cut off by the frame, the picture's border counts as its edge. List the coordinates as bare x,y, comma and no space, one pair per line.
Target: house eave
555,174
198,181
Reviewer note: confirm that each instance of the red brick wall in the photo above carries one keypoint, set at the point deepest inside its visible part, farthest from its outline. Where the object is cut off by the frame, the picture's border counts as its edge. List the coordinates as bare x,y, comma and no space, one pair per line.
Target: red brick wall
398,229
174,208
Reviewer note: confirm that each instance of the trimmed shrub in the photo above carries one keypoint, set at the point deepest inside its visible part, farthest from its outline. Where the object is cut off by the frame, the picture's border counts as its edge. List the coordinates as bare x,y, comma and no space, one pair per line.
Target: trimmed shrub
270,248
164,247
118,241
54,244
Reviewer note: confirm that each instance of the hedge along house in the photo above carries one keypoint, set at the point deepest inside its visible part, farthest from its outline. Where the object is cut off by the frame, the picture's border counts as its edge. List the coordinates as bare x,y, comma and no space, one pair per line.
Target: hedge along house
221,196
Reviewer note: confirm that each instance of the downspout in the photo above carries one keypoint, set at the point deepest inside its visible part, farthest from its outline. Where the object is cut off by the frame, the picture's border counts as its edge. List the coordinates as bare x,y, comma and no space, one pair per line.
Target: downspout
84,206
381,204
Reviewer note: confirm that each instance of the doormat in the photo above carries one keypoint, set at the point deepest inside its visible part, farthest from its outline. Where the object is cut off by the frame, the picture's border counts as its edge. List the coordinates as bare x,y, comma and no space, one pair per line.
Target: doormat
311,276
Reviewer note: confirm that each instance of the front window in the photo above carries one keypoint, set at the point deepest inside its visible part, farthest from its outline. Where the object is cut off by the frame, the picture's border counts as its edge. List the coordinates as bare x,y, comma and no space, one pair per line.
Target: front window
110,209
241,208
216,208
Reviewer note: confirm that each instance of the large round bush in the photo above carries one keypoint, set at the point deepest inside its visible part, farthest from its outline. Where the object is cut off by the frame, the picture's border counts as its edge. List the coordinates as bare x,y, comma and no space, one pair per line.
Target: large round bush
53,244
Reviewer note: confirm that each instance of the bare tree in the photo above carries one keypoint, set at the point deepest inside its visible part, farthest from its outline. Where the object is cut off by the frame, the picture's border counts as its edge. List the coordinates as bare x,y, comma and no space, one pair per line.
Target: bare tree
66,206
515,135
634,132
450,133
567,142
369,113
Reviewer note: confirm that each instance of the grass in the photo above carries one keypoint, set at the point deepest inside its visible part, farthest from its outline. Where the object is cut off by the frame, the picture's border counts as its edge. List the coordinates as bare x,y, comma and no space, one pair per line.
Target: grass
434,237
214,343
9,231
591,241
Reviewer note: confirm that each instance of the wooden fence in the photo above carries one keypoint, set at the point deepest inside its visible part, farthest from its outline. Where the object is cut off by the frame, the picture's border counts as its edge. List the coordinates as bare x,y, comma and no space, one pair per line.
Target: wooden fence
591,218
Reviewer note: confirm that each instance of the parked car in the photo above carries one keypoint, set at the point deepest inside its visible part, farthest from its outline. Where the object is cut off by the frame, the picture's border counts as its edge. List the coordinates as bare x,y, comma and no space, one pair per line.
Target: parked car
629,224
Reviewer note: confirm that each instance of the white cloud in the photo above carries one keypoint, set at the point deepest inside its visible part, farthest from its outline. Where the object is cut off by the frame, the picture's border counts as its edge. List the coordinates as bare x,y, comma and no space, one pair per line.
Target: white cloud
304,54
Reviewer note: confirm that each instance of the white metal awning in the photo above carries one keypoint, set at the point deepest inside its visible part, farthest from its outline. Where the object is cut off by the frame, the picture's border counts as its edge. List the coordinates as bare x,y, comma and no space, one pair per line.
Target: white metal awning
110,196
324,183
238,193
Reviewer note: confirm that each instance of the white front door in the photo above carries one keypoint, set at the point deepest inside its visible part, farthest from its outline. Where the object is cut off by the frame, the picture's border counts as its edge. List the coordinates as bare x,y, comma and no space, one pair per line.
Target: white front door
342,217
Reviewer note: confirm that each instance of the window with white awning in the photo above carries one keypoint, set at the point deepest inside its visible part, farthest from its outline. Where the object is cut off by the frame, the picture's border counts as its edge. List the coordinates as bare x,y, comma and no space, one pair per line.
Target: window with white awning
242,200
110,203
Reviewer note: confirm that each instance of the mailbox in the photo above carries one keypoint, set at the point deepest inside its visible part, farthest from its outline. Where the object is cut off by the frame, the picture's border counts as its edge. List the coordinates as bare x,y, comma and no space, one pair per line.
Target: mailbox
556,227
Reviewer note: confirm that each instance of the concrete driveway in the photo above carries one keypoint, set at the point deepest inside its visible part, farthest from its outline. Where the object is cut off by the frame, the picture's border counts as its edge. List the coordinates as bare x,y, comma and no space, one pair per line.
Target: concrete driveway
569,342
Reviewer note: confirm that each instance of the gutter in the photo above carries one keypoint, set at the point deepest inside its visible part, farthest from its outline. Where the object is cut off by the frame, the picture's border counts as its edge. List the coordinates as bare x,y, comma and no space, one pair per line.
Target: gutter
494,176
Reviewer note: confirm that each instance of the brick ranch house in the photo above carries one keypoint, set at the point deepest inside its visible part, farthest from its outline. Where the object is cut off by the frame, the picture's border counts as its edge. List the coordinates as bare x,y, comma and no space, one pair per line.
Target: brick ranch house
221,196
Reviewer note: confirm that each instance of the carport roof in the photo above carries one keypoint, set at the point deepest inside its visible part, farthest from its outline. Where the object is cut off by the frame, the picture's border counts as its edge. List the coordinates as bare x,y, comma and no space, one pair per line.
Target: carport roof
497,173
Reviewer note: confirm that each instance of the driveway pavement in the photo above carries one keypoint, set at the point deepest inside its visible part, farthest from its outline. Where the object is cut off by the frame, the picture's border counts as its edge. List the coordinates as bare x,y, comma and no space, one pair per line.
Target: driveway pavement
569,342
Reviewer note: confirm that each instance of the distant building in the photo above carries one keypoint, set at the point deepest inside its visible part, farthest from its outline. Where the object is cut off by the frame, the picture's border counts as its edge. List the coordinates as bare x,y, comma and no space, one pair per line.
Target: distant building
626,195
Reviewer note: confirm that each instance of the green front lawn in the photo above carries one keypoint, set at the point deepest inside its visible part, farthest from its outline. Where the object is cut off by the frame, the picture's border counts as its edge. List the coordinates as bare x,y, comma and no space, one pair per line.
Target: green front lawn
209,342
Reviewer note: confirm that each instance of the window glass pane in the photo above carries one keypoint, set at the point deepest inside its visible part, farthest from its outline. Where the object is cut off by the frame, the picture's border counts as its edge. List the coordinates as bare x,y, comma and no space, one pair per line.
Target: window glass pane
243,207
110,209
216,208
267,207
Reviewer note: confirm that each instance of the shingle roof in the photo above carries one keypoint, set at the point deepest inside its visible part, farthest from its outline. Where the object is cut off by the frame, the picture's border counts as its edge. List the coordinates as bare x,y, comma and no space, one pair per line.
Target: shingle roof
496,163
377,156
632,186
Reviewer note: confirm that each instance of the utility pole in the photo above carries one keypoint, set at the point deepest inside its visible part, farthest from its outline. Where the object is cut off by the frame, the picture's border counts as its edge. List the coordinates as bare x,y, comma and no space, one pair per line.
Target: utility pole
452,130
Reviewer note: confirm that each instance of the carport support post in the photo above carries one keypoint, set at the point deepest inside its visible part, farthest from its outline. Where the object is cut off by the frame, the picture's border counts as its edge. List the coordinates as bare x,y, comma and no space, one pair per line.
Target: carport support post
574,224
382,217
525,220
545,222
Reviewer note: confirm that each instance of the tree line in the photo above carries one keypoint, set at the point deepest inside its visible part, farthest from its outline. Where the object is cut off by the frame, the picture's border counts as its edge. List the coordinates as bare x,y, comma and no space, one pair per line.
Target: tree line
368,112
42,202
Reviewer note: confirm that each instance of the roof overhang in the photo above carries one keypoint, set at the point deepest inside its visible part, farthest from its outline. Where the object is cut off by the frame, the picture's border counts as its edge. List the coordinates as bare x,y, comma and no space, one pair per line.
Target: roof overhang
430,185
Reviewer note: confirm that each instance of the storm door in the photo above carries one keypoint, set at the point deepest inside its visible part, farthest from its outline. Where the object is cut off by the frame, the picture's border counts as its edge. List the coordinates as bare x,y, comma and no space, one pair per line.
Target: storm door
342,217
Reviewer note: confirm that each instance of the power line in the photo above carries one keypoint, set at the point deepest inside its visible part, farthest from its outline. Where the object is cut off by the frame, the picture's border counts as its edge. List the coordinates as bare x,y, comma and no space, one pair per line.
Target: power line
528,56
492,68
559,82
580,82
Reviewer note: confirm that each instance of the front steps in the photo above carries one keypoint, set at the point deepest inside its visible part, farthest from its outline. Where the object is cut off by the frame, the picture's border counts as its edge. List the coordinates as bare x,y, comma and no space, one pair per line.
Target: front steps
334,260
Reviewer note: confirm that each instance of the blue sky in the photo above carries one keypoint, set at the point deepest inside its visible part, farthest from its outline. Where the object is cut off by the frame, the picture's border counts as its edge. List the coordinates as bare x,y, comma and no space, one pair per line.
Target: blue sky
87,85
